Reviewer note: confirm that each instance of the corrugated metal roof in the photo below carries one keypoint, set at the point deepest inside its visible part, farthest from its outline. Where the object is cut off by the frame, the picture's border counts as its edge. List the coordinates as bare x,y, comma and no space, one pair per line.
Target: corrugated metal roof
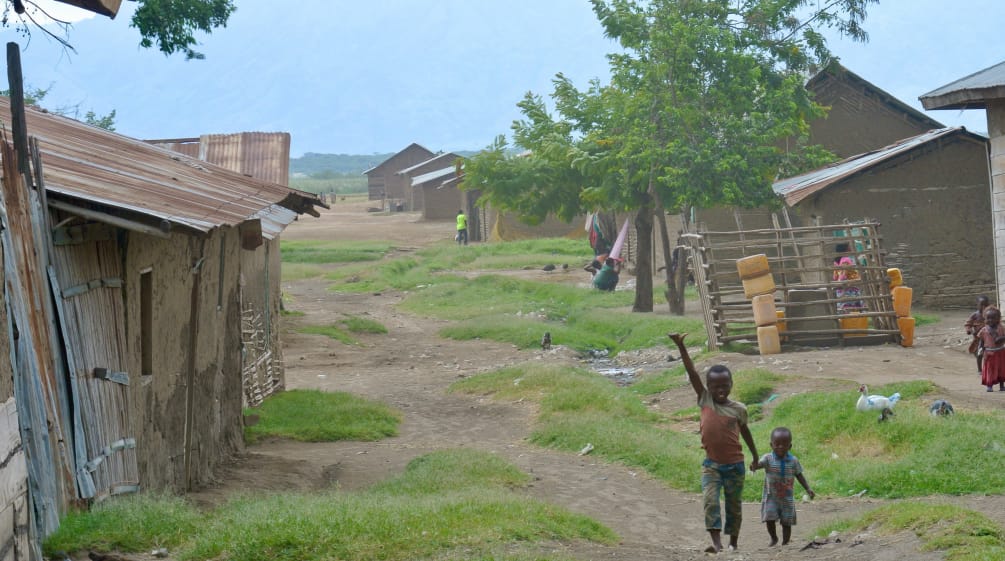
973,91
274,220
429,161
795,189
433,175
92,164
187,146
262,155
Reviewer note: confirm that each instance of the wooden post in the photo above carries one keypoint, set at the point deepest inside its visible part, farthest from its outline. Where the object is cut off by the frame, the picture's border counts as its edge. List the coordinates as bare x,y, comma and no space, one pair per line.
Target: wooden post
18,120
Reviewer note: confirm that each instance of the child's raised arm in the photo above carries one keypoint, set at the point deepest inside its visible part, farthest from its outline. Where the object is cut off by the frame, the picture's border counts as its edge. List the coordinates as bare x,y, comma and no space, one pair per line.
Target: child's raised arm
802,481
692,374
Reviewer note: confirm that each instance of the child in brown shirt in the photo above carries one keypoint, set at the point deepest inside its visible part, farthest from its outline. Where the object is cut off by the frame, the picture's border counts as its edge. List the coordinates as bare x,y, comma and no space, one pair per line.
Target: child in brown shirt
723,422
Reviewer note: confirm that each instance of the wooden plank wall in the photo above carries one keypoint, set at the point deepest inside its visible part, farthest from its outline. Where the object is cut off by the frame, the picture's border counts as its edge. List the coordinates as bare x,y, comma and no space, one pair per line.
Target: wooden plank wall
801,258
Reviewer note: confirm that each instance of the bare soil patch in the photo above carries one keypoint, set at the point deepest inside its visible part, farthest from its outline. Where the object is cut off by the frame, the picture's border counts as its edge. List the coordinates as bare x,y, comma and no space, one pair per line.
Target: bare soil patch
411,366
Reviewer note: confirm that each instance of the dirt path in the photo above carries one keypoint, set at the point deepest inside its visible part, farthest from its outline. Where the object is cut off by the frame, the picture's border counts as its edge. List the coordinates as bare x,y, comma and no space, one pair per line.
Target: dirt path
410,367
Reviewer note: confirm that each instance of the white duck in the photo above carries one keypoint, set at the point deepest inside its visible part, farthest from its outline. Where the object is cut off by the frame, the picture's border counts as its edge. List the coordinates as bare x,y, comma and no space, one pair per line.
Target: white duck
879,403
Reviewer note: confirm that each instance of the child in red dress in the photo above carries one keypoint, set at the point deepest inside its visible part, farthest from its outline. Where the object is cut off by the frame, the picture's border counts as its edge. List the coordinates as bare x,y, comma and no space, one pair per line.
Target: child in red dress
992,338
973,326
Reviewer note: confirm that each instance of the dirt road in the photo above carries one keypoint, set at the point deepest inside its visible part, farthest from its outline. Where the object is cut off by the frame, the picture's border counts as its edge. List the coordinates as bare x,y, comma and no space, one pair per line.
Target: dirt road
410,368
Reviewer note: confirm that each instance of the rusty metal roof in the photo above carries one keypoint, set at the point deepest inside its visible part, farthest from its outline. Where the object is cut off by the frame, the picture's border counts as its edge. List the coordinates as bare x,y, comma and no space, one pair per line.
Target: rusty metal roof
795,189
969,92
101,167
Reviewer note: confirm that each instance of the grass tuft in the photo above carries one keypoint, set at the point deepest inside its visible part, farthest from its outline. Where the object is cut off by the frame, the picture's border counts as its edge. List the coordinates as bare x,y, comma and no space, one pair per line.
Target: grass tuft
453,504
127,523
316,416
334,331
325,252
963,534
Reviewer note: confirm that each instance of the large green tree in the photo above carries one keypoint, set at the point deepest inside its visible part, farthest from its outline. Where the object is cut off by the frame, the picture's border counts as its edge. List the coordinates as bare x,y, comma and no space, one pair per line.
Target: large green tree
169,24
702,95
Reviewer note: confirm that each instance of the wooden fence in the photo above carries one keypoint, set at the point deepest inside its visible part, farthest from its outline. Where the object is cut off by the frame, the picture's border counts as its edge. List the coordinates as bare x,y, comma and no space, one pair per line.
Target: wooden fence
802,261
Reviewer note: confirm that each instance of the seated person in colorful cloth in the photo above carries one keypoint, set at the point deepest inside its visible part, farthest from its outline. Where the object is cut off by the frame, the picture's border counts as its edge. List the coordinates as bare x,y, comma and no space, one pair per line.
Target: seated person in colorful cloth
607,277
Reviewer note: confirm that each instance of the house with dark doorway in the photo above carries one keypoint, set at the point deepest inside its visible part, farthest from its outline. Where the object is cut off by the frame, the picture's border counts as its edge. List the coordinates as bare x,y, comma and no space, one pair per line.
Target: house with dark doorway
132,368
383,181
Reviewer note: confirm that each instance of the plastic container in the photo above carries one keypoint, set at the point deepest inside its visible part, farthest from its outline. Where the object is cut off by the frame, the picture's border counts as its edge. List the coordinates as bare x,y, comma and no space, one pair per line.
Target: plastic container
753,266
764,310
854,321
767,340
902,301
764,284
780,315
906,326
896,278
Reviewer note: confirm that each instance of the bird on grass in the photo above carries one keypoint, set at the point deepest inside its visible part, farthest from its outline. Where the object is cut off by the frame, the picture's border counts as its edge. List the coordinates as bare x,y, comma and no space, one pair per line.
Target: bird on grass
879,403
546,341
941,408
548,267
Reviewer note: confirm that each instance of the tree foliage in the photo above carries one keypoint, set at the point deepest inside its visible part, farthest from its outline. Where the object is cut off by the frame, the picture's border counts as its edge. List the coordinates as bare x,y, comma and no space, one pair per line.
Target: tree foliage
169,24
35,96
705,102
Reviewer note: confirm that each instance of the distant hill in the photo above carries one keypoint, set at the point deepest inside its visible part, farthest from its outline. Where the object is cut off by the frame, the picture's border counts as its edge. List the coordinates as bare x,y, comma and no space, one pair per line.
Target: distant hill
329,165
348,164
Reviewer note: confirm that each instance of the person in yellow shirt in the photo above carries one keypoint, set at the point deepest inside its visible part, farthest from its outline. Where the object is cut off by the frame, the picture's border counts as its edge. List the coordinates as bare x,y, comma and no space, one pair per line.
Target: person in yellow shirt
462,228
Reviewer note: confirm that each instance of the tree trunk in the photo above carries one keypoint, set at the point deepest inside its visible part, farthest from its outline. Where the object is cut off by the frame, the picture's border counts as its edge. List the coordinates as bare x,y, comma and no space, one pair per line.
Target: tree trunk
643,261
674,287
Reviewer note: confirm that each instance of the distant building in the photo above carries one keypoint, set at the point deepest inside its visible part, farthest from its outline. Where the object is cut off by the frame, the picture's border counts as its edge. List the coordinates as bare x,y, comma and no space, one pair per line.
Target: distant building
416,194
383,181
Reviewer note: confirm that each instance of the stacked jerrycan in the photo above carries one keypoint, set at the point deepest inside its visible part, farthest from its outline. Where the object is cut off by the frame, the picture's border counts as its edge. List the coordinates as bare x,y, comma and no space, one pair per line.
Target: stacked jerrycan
759,286
902,306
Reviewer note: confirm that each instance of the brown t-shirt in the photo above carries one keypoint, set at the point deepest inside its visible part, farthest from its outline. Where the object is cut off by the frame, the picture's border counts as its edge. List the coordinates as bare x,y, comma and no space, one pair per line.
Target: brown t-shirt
720,429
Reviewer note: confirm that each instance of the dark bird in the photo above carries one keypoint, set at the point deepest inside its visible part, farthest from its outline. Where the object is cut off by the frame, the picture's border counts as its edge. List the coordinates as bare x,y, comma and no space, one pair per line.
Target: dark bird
548,267
546,341
565,266
941,408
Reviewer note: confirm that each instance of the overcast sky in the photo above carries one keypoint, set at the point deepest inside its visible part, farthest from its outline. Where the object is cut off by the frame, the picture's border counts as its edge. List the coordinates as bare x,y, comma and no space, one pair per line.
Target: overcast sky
370,77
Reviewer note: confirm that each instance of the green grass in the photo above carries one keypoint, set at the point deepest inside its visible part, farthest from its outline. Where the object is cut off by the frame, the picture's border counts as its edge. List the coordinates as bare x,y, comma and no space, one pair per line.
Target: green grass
454,504
327,251
925,319
512,310
963,534
914,454
519,311
341,184
300,271
356,324
316,416
843,450
334,331
127,523
340,330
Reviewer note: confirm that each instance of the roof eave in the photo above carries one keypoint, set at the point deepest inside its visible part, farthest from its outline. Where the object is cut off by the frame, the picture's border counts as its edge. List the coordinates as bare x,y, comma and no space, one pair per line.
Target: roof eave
968,98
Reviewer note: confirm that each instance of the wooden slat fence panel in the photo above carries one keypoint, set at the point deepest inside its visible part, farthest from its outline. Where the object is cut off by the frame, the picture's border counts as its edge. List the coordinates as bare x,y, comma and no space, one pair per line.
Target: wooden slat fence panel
800,258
